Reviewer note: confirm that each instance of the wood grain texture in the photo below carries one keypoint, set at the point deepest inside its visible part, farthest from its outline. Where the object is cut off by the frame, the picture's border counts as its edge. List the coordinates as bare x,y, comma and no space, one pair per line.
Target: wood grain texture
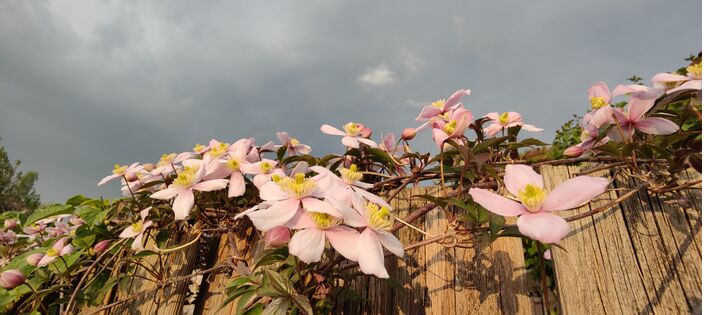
636,258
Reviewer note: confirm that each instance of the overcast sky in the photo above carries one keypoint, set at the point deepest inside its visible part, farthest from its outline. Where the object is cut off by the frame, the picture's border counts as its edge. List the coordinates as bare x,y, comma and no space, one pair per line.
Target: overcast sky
86,84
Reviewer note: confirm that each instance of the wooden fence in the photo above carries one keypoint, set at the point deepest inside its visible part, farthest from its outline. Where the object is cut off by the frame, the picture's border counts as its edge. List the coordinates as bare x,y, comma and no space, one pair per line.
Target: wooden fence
640,257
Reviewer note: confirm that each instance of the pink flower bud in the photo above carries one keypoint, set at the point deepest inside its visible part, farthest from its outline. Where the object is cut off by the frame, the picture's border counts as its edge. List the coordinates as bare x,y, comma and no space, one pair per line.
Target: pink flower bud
573,151
278,236
11,223
408,134
547,255
131,176
366,132
149,167
11,279
34,259
101,246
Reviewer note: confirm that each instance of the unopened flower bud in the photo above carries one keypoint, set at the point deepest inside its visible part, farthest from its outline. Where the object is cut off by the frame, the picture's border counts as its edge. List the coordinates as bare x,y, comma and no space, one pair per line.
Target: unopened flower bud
11,279
101,246
34,259
408,134
11,223
366,132
573,151
278,236
149,167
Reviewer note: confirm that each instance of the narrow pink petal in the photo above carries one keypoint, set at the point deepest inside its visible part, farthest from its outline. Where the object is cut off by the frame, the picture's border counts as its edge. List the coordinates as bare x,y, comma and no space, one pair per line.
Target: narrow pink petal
367,142
627,89
390,241
236,186
574,192
307,245
350,216
261,179
272,192
301,220
350,142
372,261
316,205
428,112
531,128
639,104
455,98
330,130
68,249
137,242
492,116
344,240
543,226
514,117
497,204
279,213
128,232
182,204
599,89
656,126
518,176
616,131
283,137
668,77
46,260
211,185
372,197
107,179
602,116
492,129
689,85
439,136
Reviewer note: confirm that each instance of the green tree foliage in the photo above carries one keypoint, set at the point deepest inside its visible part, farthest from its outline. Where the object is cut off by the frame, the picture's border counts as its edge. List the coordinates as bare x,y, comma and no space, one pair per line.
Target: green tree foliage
16,188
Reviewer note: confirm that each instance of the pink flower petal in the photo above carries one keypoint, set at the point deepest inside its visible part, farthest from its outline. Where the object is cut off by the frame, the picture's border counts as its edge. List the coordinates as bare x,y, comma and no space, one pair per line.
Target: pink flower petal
344,240
307,245
128,232
692,84
574,192
211,185
390,241
492,129
107,179
350,142
301,220
236,186
272,192
599,89
656,126
279,213
367,142
283,137
531,128
439,136
137,242
543,226
182,204
428,112
372,261
455,98
330,130
639,104
497,204
601,116
518,176
316,205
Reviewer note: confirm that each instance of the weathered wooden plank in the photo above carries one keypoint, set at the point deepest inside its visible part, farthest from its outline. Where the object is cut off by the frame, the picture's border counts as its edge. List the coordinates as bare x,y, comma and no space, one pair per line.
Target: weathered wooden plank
440,268
639,257
410,271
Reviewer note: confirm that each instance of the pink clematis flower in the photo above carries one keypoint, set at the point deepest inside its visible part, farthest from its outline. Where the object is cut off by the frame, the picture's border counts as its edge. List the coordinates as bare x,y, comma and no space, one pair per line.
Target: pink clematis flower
316,227
440,107
600,97
262,171
137,230
505,121
352,136
167,163
589,141
674,82
233,164
120,171
188,179
639,104
60,248
287,198
536,219
293,146
346,186
457,123
377,222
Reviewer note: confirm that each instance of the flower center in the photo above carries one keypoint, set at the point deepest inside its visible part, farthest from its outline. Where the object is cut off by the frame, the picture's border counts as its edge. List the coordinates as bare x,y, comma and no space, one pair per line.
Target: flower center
137,227
218,150
695,71
299,186
52,252
233,164
450,127
503,118
532,197
265,167
379,217
119,170
186,176
598,102
324,220
350,175
166,159
294,142
198,148
585,135
438,104
351,128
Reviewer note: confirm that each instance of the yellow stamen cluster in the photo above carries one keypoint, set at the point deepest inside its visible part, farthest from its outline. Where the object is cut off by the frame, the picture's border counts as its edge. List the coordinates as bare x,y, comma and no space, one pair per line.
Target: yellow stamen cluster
503,118
276,178
350,175
52,252
186,176
598,102
379,217
450,127
218,150
233,164
137,227
294,142
265,167
297,187
438,103
198,148
585,135
119,170
532,197
166,159
695,71
324,220
351,128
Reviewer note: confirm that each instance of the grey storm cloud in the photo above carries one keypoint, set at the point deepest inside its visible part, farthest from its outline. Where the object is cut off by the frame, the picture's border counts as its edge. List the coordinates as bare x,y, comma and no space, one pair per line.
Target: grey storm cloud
85,84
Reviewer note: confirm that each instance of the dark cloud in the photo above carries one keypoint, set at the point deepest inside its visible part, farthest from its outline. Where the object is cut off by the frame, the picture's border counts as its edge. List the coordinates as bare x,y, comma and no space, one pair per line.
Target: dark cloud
87,84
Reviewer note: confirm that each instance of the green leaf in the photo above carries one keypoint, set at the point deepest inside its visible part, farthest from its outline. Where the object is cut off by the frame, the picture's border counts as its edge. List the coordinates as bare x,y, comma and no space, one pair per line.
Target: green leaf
49,211
496,223
77,200
303,304
279,283
84,237
242,302
92,215
279,306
